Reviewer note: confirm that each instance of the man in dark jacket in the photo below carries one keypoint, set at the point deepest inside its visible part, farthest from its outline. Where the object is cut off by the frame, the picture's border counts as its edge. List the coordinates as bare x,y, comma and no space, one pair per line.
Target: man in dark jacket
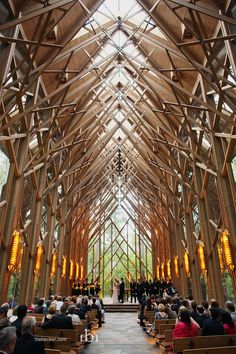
61,321
27,343
21,313
202,315
213,327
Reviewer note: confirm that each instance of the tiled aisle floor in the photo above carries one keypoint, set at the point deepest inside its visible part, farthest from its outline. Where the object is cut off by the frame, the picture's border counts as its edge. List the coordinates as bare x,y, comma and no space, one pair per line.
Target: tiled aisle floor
121,334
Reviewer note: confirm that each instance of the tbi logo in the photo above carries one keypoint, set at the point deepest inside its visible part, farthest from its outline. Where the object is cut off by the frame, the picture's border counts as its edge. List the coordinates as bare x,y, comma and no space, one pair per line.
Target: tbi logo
88,337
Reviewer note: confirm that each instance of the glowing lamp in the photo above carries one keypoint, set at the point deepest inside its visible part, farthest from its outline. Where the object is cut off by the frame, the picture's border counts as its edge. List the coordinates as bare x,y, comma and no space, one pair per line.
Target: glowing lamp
186,263
202,257
54,264
227,250
20,258
158,272
39,254
163,270
176,266
81,271
71,269
220,258
63,273
168,269
77,271
14,250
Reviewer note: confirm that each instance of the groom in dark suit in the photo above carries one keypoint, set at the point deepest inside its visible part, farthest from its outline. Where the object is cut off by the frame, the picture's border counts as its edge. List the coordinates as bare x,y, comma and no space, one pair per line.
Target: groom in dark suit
122,290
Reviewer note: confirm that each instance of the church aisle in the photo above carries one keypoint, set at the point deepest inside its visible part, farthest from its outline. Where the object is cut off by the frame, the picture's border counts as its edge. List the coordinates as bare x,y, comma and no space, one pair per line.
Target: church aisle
121,334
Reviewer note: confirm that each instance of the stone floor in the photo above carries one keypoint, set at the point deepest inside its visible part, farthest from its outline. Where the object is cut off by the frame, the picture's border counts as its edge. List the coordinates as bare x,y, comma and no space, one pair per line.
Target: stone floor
121,334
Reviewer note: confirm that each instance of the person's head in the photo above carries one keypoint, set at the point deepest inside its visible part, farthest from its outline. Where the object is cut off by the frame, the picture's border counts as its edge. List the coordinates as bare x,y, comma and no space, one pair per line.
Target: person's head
215,313
52,309
3,311
205,304
28,325
226,318
194,306
161,308
71,310
41,302
214,304
185,317
186,303
63,309
21,311
8,339
94,300
230,306
182,309
200,309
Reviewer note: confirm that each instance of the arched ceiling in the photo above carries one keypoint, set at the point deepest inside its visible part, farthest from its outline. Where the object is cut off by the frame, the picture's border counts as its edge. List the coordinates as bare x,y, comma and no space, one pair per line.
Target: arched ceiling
120,98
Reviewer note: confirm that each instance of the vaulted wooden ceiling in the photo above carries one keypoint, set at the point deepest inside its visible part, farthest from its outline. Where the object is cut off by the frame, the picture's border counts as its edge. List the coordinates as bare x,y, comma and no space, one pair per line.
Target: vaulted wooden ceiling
118,100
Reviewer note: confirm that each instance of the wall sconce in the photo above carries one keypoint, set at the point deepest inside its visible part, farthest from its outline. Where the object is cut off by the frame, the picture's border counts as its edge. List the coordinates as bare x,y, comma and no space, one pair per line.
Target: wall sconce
63,272
227,250
186,263
168,269
202,257
39,254
176,266
71,269
14,250
220,258
54,264
163,270
158,271
77,271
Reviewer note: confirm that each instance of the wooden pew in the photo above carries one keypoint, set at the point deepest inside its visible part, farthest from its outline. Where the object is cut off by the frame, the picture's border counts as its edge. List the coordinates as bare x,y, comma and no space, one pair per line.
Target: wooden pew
68,335
52,351
161,329
149,315
181,344
158,322
167,342
219,350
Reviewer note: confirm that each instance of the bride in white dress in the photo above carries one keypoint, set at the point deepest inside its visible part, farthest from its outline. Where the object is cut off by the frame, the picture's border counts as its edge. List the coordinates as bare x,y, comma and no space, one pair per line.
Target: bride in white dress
115,294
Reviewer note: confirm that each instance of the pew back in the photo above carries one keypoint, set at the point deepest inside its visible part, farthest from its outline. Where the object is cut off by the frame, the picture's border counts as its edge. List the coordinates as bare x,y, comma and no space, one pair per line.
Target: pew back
220,350
181,344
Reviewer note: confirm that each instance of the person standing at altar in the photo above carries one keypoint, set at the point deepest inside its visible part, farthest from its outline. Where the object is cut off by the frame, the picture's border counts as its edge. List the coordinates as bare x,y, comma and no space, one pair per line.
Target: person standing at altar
122,291
133,291
92,288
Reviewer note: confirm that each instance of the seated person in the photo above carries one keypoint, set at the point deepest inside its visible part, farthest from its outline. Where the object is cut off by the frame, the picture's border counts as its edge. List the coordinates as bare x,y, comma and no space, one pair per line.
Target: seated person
75,318
161,313
4,321
80,311
203,316
21,313
229,306
228,324
26,344
185,327
213,326
40,307
51,312
7,339
59,321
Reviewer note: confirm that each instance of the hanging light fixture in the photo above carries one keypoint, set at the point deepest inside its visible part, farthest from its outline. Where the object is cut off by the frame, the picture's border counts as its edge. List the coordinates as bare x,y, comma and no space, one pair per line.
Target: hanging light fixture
39,254
71,269
176,266
77,271
63,272
202,257
186,263
54,264
163,270
168,268
220,258
14,250
227,250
